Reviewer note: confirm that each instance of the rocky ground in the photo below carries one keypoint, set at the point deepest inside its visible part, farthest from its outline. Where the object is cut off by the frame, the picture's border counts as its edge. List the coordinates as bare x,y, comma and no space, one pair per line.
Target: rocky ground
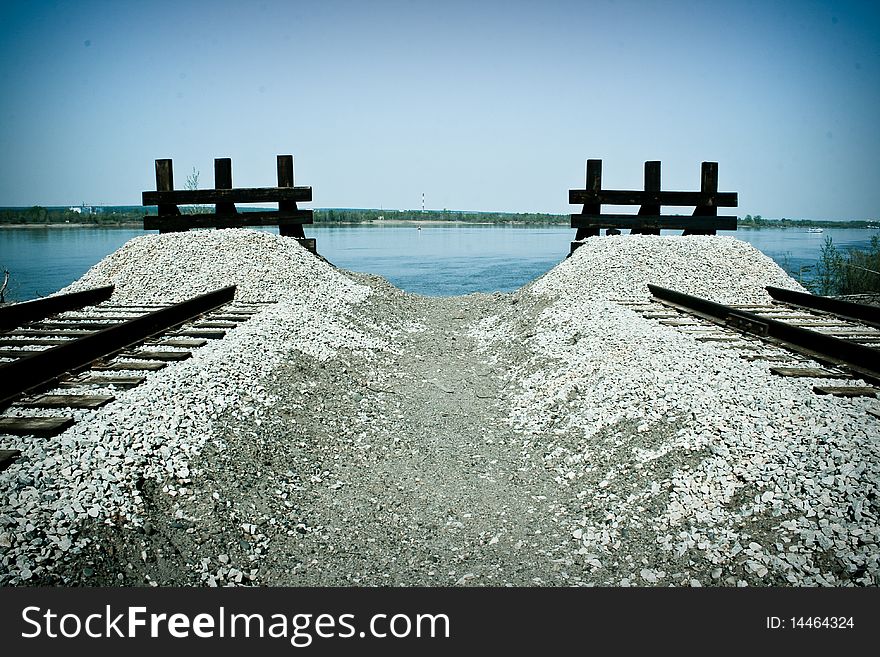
353,434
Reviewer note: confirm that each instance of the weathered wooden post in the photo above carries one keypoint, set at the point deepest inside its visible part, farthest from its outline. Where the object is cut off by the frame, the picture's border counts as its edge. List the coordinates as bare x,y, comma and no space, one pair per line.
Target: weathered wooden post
165,183
223,180
594,184
652,184
285,179
708,185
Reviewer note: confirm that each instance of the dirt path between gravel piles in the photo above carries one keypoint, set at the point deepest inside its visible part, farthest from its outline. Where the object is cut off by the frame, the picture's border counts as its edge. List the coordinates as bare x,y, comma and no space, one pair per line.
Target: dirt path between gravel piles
451,497
368,469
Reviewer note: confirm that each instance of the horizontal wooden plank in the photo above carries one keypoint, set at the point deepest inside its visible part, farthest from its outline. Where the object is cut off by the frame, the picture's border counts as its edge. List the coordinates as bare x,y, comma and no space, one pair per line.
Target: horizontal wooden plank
669,221
849,333
66,401
810,372
18,353
34,426
234,195
846,391
49,332
210,334
158,355
182,342
74,325
7,457
639,197
103,380
215,325
262,218
38,342
133,307
149,366
770,358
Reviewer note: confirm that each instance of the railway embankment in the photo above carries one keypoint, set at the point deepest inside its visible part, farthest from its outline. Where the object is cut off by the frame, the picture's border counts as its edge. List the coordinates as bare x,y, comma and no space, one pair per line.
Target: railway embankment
352,434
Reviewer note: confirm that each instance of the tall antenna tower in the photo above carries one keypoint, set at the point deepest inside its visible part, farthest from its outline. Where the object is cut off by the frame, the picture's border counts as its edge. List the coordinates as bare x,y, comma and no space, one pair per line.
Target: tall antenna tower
423,201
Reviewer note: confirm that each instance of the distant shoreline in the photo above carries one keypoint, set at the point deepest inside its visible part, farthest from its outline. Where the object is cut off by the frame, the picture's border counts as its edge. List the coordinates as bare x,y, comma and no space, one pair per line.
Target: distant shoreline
439,222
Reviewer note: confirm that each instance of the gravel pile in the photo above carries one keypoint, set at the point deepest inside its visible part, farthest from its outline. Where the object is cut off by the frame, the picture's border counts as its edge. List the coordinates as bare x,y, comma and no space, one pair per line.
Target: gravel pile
95,471
175,266
351,434
692,464
724,269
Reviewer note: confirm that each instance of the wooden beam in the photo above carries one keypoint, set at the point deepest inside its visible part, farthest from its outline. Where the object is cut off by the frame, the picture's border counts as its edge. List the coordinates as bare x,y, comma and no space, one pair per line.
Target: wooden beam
67,401
209,334
43,342
593,186
235,195
652,184
285,181
708,186
671,222
635,197
103,380
261,218
182,342
157,355
123,365
165,184
223,180
846,391
34,426
810,372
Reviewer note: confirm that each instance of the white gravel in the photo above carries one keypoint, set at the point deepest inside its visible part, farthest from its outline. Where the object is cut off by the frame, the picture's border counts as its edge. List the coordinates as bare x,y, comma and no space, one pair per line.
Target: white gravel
175,266
689,465
152,431
732,474
722,268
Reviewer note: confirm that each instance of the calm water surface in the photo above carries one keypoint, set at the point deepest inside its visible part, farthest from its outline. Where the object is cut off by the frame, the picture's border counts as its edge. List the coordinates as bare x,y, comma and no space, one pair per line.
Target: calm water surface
436,260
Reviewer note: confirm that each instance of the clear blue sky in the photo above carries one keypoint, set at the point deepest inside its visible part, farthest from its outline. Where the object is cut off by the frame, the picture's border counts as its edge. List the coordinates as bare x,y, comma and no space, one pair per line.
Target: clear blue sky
480,105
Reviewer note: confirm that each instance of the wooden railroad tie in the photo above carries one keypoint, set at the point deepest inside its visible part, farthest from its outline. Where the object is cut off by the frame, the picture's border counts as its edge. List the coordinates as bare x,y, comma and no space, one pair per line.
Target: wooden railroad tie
847,391
808,372
43,427
649,221
288,217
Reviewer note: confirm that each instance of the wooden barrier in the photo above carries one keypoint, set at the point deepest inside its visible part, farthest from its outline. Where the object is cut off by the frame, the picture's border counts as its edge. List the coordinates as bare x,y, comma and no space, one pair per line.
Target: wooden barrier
288,217
649,221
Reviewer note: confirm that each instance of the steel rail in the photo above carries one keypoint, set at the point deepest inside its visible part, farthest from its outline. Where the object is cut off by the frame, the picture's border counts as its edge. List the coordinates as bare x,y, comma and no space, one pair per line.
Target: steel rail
16,314
858,358
44,367
846,309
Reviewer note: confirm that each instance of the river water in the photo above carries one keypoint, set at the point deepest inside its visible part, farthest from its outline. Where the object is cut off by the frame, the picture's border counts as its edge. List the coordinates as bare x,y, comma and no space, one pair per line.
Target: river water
431,259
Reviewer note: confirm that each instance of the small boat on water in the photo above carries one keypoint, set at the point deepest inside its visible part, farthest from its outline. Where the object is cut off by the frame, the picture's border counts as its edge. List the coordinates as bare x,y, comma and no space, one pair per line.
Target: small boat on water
815,230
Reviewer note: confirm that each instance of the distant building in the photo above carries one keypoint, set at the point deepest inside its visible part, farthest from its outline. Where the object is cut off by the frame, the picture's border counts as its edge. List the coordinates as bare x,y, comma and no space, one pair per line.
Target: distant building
78,210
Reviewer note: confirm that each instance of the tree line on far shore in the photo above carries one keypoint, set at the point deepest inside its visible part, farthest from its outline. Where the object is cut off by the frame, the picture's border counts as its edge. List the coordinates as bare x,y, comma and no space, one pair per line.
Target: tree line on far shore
110,215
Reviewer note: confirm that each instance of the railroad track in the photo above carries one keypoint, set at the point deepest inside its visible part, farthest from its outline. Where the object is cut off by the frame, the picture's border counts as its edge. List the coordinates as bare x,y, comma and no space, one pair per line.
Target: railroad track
795,332
87,347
